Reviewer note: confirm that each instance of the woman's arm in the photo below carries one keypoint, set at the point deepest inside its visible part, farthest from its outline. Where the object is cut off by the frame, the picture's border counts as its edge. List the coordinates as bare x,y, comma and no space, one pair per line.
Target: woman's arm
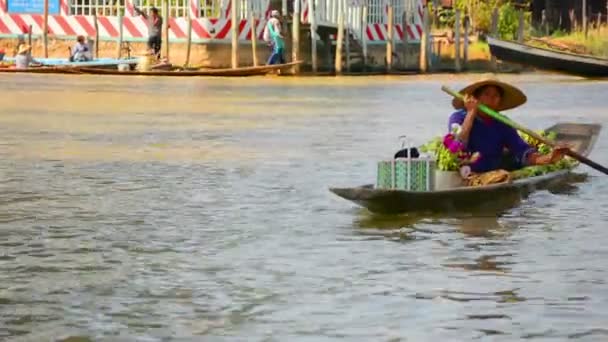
467,125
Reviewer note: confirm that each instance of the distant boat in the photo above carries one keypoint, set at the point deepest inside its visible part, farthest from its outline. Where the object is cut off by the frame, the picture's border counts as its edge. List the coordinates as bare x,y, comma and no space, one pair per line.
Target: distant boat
96,63
545,59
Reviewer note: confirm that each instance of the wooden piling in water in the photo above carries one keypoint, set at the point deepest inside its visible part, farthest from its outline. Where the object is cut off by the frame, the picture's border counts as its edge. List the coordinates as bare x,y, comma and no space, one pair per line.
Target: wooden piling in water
389,39
295,36
340,38
96,26
494,32
363,34
457,65
404,47
166,17
234,27
45,29
347,37
465,53
254,36
313,36
189,37
424,41
521,26
120,36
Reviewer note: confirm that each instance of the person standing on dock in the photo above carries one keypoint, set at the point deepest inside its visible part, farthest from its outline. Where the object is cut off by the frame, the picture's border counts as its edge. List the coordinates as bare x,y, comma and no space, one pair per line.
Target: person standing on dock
155,29
274,38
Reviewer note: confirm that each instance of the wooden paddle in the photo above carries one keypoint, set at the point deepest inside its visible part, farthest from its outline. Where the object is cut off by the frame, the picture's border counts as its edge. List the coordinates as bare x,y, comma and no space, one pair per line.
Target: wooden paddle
496,115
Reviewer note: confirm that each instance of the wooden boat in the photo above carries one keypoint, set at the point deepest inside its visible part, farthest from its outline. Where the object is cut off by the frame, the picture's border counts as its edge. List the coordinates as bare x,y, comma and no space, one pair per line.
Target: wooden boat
581,137
545,59
238,72
40,70
102,63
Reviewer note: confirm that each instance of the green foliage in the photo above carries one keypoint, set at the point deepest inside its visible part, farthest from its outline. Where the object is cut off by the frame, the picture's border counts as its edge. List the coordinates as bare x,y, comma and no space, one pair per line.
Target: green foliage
537,170
446,160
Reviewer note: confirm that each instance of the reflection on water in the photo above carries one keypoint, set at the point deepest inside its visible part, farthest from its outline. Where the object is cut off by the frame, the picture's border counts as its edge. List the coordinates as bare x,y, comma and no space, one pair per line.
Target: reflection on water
152,209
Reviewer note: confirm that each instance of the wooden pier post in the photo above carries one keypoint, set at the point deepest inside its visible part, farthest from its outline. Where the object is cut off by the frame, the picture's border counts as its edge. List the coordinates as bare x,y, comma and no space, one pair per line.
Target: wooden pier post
96,26
457,64
389,39
467,30
120,35
494,32
585,17
166,17
45,29
424,41
340,38
295,36
313,35
234,27
347,35
189,37
521,26
364,34
404,41
254,35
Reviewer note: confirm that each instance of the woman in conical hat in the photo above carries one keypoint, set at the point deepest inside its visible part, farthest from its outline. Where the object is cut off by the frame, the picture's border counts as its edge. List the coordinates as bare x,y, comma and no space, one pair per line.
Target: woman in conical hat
473,131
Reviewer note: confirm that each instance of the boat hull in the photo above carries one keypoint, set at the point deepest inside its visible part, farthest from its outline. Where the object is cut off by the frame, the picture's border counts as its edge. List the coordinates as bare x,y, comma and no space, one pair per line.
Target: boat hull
501,196
550,60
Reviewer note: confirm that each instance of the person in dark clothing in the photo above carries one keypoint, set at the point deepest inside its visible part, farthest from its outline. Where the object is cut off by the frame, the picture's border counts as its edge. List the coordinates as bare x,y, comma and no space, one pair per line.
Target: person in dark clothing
155,29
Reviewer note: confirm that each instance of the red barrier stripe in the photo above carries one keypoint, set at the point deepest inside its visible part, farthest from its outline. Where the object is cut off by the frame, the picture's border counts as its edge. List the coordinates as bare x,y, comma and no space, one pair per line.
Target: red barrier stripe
224,30
40,22
133,31
176,29
84,23
399,31
4,28
20,23
410,32
368,31
105,22
200,30
379,32
64,25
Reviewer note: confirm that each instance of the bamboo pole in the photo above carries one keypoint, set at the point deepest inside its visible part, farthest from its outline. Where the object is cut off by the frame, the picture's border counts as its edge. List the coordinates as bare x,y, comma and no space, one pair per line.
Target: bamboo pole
389,39
340,38
96,26
45,29
254,37
166,18
189,44
312,12
295,36
457,64
235,34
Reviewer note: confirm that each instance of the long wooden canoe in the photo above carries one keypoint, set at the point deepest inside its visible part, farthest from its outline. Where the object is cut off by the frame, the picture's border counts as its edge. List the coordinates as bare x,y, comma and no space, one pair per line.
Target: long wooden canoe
545,59
581,137
238,72
41,70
